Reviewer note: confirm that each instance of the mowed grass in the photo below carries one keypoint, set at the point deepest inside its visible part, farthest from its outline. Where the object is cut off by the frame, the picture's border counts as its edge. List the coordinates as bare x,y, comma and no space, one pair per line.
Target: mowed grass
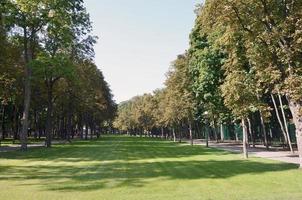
143,168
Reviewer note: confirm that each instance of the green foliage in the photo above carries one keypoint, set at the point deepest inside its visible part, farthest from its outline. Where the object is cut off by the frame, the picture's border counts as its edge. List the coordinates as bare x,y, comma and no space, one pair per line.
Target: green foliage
179,97
52,68
206,69
47,53
136,114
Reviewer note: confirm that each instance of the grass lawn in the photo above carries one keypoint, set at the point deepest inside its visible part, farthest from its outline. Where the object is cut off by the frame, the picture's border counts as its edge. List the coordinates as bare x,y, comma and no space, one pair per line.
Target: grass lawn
141,169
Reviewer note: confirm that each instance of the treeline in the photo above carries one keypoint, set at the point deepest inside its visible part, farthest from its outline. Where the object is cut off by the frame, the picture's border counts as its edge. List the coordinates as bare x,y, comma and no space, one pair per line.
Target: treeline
244,66
49,84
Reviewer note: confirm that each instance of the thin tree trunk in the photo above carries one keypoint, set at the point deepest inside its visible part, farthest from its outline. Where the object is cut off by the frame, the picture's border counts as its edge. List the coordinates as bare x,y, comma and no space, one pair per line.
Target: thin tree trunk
207,135
162,132
245,140
279,119
3,123
180,133
215,132
236,136
221,133
190,133
250,131
86,131
15,123
174,135
91,131
69,121
49,117
285,125
36,124
80,126
264,130
27,91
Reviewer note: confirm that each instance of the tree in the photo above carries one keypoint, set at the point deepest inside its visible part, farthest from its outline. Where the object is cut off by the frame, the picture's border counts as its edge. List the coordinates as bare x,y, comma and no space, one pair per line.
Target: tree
179,97
269,28
31,17
47,53
206,70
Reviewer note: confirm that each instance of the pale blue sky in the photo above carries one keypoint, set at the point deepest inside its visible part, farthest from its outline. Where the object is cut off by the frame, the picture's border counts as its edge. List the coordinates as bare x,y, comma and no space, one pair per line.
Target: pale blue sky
138,39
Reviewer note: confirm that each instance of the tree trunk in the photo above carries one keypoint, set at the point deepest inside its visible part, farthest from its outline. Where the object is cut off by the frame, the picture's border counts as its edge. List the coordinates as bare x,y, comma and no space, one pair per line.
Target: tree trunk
221,133
80,126
180,133
27,91
207,135
91,132
15,123
245,140
285,125
36,124
174,135
69,121
264,130
191,134
279,119
297,117
250,131
3,123
215,132
86,132
48,129
236,136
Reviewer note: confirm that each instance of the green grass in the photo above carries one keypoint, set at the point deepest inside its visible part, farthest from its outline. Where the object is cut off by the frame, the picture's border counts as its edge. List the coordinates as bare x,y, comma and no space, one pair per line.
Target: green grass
141,169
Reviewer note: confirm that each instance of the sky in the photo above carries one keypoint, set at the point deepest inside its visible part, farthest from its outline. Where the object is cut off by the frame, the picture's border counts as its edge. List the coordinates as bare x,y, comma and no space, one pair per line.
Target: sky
138,40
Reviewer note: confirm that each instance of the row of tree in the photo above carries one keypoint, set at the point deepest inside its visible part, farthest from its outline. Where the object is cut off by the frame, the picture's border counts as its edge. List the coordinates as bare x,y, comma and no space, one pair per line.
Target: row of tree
49,85
244,66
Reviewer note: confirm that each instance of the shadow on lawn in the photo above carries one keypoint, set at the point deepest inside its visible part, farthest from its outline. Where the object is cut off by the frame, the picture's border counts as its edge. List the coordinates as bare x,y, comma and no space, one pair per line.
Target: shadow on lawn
119,162
112,148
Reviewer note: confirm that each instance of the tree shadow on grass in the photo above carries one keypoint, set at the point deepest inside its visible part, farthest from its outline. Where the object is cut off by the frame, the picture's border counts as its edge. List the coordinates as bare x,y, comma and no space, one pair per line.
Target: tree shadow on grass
118,148
98,176
126,162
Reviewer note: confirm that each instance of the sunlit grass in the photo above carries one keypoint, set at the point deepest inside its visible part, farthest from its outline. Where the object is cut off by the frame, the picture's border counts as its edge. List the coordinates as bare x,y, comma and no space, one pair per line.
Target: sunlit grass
143,168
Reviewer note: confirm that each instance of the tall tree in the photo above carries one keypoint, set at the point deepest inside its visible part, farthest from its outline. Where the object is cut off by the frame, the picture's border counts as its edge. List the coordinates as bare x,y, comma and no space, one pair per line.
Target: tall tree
270,28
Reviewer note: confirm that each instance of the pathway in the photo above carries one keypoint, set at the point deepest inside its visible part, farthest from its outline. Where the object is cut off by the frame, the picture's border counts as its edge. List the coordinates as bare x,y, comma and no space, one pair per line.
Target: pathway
15,147
259,151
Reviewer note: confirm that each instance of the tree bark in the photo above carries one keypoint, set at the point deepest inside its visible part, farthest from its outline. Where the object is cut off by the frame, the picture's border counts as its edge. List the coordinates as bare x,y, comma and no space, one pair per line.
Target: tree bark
285,125
91,131
207,135
279,119
3,123
190,133
251,132
48,129
245,140
236,136
264,130
69,120
15,123
80,126
221,133
215,131
297,117
27,91
86,131
180,133
174,135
